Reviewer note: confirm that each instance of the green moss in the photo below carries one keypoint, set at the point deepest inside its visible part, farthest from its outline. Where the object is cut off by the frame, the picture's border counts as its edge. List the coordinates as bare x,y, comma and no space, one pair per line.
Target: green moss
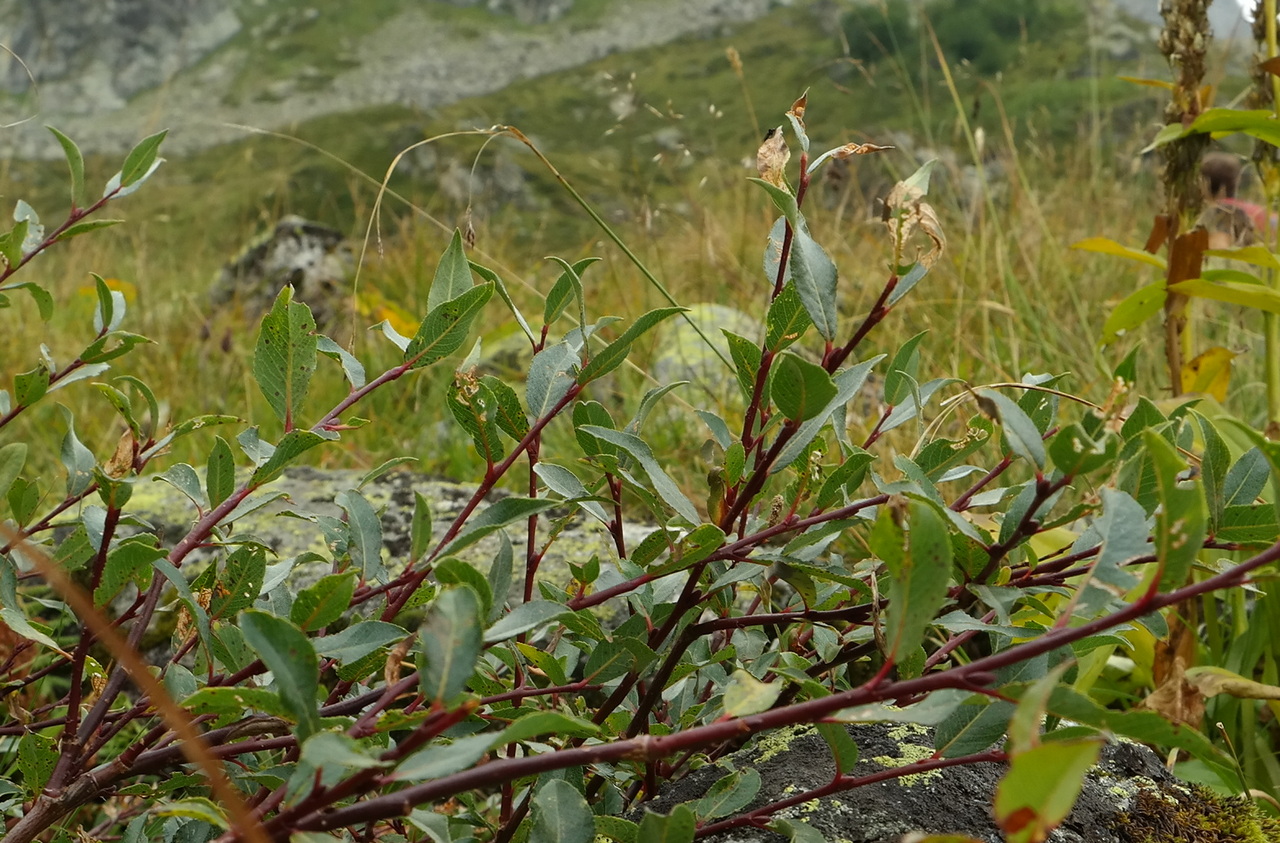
1196,816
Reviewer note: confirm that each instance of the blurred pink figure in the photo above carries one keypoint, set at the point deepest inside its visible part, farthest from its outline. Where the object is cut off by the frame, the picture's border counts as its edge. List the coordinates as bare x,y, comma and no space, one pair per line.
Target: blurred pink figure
1230,221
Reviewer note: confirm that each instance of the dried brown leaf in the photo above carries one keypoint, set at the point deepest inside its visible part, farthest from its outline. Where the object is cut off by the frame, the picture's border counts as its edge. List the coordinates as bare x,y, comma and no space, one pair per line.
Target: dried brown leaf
906,212
851,149
798,107
772,158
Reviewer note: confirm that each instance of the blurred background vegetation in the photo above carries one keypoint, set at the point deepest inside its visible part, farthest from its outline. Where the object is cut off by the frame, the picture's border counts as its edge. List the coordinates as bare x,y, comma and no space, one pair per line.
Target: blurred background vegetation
1021,100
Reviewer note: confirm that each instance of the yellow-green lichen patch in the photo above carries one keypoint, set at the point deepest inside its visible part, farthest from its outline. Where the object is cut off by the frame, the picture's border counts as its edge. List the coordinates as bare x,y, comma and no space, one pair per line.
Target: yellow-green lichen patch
903,731
775,743
910,754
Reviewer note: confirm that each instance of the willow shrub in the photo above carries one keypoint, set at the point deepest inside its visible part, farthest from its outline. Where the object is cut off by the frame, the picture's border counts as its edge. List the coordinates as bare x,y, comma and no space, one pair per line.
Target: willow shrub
963,583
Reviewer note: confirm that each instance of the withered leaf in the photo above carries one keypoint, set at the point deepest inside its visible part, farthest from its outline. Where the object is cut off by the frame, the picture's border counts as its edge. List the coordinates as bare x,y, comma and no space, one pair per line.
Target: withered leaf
772,157
905,212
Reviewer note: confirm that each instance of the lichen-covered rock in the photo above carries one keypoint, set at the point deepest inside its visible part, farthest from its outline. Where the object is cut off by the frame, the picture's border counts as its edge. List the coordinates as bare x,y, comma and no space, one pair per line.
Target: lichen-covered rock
526,11
92,57
683,355
311,492
317,261
955,800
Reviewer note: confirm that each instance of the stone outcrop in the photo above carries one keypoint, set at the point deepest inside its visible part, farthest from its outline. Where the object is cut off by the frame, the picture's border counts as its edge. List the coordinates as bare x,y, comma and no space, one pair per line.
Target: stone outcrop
93,56
416,58
1128,796
317,261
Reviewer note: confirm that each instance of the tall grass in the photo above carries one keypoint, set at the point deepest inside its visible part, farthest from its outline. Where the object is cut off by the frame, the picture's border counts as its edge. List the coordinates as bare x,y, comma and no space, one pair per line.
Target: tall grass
1010,296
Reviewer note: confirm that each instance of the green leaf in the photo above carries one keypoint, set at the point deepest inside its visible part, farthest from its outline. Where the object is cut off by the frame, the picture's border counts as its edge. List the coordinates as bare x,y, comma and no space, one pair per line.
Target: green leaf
499,576
419,528
1256,296
847,384
366,535
129,561
37,756
561,815
1107,246
436,761
76,458
787,320
326,751
640,452
1214,463
565,483
453,274
359,640
12,458
106,318
1041,787
783,199
451,643
1246,478
1257,123
524,618
41,296
85,227
510,415
843,750
285,358
474,406
815,276
1182,520
291,659
496,516
112,345
1135,309
693,547
220,472
612,355
617,830
800,389
744,694
75,163
746,361
446,327
728,795
562,291
195,808
352,368
454,571
919,579
1019,430
903,371
538,723
141,160
676,827
323,603
239,581
549,380
292,444
801,832
30,387
1122,530
11,243
1074,452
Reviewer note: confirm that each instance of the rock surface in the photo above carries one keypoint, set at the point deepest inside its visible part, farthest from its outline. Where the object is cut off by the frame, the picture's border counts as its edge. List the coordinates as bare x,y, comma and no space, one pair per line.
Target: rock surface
415,58
317,261
955,800
311,493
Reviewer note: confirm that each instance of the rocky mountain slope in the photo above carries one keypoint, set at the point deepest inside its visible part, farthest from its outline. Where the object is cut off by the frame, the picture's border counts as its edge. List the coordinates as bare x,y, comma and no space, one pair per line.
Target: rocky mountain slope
107,69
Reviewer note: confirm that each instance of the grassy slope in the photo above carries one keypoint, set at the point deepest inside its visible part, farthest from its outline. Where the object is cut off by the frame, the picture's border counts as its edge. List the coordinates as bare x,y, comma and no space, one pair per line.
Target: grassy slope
1008,298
